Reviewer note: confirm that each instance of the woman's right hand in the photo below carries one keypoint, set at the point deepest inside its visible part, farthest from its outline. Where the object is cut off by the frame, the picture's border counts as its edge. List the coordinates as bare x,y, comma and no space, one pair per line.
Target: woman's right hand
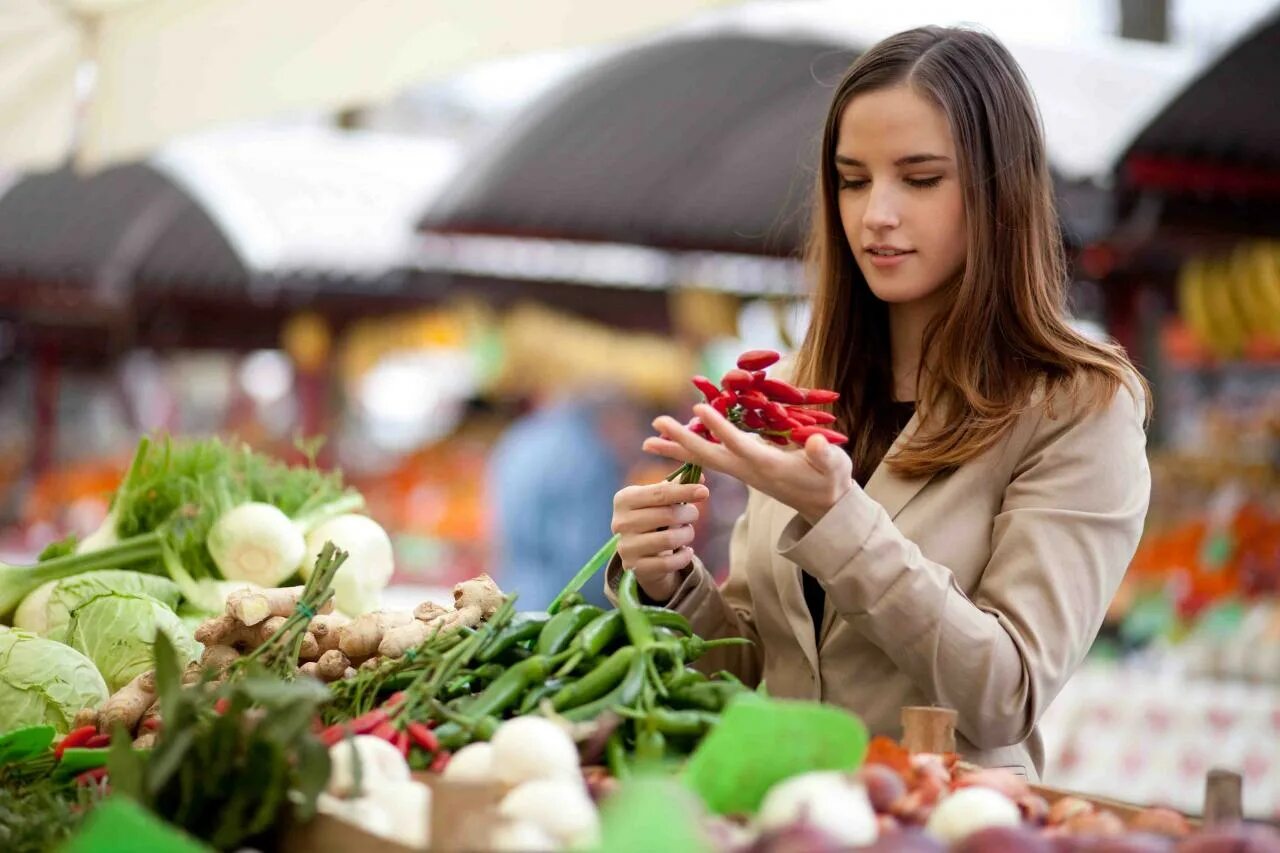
654,524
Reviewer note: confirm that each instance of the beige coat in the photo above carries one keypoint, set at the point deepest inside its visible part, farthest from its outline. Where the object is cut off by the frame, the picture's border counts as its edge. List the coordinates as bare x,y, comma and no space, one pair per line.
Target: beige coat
979,590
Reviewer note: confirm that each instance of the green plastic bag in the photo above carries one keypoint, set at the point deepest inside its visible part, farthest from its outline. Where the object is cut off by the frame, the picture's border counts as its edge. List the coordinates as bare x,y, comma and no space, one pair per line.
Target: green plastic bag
760,742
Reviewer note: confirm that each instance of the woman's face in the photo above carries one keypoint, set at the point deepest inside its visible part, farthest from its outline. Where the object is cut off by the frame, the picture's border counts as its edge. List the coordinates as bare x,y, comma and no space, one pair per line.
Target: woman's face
899,192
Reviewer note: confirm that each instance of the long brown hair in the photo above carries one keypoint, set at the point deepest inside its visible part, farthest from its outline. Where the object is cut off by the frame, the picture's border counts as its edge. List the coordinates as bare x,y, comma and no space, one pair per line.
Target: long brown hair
1006,327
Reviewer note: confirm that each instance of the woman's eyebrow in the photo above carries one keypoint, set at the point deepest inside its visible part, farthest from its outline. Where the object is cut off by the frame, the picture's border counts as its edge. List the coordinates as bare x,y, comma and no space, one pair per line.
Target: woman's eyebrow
909,160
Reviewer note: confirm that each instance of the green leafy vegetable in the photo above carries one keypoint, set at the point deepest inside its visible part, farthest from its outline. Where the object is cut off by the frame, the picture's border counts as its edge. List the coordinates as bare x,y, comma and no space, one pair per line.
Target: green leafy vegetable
64,597
226,777
169,500
117,633
43,682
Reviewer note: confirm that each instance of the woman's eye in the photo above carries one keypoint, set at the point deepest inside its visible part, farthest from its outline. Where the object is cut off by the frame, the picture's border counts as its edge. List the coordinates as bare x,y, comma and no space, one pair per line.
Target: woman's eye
925,182
852,183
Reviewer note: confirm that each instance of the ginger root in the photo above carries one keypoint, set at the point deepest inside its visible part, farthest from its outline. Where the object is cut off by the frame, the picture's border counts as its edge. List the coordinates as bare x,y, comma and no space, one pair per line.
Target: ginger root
399,640
332,665
127,705
359,639
218,658
146,740
429,611
86,717
309,668
480,592
251,606
325,630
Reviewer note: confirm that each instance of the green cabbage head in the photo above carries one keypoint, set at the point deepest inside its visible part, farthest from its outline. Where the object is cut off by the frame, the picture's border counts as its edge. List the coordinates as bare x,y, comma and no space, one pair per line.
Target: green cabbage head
47,611
43,682
117,632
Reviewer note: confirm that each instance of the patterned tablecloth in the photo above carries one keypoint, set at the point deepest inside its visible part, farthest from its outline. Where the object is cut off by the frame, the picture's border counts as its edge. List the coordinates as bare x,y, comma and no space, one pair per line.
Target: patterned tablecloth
1149,737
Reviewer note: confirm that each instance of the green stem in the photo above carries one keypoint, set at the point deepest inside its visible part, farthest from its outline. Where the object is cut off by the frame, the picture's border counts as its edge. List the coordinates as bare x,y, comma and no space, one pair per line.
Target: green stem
17,581
313,518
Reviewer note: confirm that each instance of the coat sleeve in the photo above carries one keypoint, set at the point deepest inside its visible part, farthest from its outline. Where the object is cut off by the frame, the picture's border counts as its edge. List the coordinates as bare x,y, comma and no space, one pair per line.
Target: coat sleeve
1069,524
715,611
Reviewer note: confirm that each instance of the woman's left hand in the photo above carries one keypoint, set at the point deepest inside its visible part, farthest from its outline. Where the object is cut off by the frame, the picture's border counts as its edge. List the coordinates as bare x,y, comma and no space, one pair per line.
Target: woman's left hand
809,481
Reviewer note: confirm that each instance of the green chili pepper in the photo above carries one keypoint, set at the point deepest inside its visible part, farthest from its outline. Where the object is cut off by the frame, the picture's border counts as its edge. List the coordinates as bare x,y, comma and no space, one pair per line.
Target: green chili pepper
616,757
651,744
522,628
666,635
564,626
598,682
707,696
509,687
639,630
678,679
536,694
593,639
696,647
572,599
599,633
623,695
685,723
452,736
664,618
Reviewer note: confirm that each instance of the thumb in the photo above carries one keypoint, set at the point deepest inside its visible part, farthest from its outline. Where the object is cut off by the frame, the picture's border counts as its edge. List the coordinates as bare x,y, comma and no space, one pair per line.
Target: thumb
818,451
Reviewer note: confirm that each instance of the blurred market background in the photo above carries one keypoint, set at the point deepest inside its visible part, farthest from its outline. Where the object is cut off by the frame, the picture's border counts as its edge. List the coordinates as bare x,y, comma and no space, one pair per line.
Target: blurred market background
476,247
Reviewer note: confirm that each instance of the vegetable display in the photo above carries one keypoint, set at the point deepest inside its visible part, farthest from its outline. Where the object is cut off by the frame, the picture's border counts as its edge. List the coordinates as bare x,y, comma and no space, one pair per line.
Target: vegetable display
308,700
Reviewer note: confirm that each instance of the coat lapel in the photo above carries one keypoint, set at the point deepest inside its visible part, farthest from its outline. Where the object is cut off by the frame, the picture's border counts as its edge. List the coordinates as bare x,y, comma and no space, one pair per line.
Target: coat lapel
893,492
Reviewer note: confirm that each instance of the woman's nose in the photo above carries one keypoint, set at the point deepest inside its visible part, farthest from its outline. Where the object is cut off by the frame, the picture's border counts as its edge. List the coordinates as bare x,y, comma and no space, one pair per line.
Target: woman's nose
881,211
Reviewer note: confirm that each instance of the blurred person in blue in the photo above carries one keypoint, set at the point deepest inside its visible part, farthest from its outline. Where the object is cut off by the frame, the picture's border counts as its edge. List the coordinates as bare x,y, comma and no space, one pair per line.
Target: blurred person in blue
551,481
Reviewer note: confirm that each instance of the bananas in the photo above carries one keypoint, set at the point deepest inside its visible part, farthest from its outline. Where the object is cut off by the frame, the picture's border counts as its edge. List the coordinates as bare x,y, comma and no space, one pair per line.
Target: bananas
1229,302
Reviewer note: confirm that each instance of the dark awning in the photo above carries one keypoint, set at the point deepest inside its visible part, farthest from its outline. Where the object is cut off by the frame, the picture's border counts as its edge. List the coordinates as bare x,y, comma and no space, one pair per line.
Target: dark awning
689,144
1219,138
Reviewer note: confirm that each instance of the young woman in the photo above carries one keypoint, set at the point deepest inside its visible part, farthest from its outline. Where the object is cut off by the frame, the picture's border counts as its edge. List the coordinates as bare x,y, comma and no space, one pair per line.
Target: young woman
963,548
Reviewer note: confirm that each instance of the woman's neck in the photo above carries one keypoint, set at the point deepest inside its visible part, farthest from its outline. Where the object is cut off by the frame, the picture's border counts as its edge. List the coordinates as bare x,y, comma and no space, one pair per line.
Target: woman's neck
907,322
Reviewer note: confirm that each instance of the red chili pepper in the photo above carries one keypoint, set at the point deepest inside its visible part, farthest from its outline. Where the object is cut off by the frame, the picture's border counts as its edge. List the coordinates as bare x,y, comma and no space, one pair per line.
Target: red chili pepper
386,731
820,396
801,417
90,777
753,399
221,706
818,416
697,427
369,721
780,440
152,724
394,700
707,387
737,380
98,742
801,434
333,734
401,743
441,761
74,738
423,736
724,403
753,420
758,359
780,391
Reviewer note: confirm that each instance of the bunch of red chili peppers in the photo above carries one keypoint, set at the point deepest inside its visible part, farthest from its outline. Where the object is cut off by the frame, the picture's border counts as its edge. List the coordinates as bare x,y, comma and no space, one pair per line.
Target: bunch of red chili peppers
85,737
387,723
775,410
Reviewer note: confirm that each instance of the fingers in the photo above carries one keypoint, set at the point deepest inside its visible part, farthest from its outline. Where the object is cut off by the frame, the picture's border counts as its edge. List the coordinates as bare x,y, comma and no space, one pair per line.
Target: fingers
636,547
648,519
648,568
730,436
659,495
817,452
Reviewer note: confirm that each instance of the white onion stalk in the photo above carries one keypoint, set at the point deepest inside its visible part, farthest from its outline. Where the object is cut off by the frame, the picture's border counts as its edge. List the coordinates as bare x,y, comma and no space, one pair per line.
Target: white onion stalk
369,565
